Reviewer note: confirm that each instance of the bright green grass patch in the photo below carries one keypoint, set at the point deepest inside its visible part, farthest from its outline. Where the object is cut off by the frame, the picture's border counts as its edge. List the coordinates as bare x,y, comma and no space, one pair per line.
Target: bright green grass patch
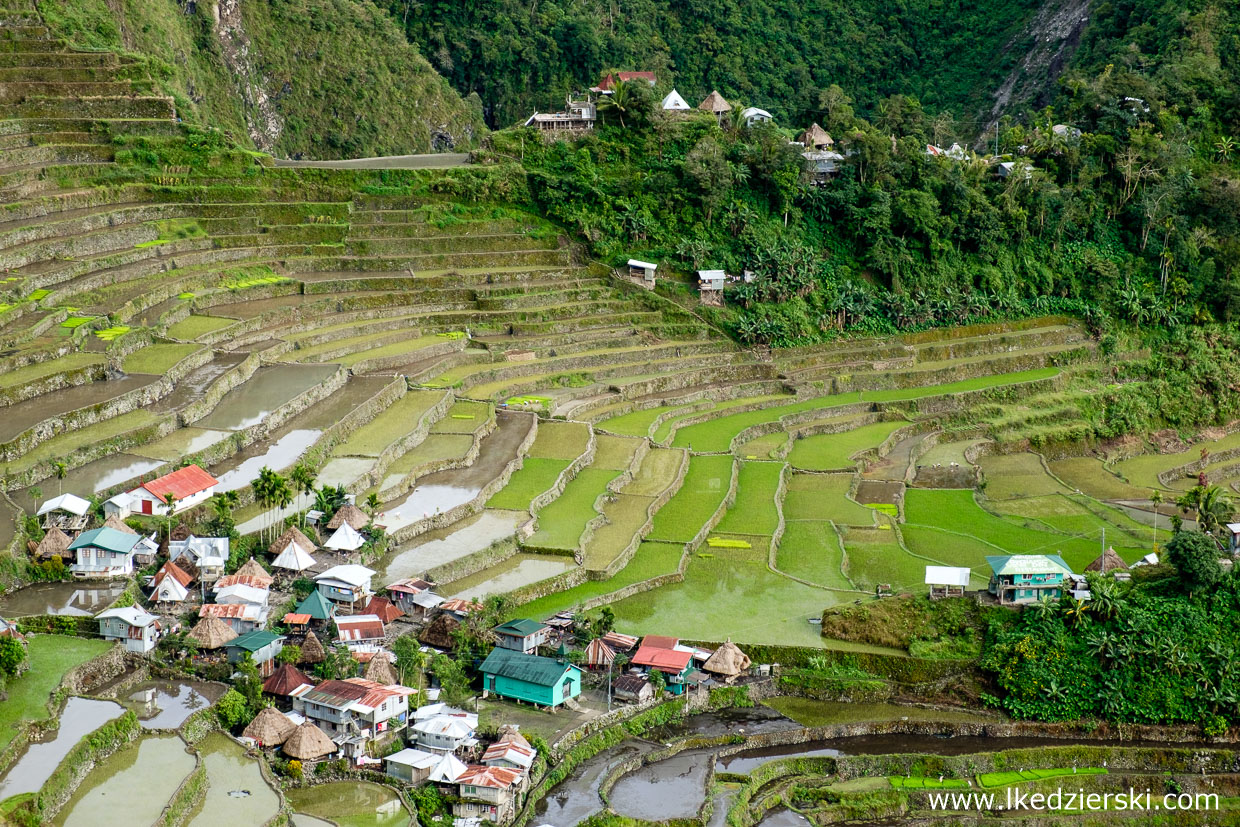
536,476
74,322
1004,779
191,327
561,523
656,473
812,551
560,440
109,334
889,509
464,417
626,514
755,511
39,370
945,453
727,542
827,452
51,656
763,447
397,421
39,295
729,595
1017,475
614,452
156,242
636,423
451,334
1088,475
1073,515
716,435
522,401
874,555
158,359
706,485
435,448
650,560
979,383
957,511
246,282
951,549
923,783
186,296
824,497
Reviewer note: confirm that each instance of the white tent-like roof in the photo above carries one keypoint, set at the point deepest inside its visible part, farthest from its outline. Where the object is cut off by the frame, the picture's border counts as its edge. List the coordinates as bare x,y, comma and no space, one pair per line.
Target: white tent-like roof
448,769
65,502
293,558
346,538
674,102
642,265
349,574
947,576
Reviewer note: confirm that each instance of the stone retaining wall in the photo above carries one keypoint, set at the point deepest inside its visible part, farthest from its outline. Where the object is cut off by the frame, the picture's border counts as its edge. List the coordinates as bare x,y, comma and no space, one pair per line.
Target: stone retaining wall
229,380
626,555
407,482
52,382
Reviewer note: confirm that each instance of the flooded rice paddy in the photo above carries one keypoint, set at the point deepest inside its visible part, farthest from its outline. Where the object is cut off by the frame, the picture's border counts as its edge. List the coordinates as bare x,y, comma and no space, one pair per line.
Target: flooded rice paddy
131,786
68,598
444,545
80,717
358,804
516,572
166,704
237,793
91,478
239,470
268,389
17,418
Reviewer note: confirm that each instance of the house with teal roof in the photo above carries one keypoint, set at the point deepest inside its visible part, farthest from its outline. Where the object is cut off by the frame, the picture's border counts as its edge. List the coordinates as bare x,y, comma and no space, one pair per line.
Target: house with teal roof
537,680
318,607
261,645
1026,578
103,552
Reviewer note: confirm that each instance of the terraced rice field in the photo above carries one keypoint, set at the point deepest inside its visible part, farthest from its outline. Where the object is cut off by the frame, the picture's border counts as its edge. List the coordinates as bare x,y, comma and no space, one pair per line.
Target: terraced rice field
379,338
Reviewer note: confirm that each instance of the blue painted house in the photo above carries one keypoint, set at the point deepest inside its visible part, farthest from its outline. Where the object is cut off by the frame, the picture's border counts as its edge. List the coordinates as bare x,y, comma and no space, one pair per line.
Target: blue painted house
538,680
1027,578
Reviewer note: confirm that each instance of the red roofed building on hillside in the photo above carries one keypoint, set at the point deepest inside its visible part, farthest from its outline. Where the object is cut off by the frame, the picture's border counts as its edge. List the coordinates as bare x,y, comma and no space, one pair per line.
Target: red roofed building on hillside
660,642
382,608
360,629
489,793
190,486
675,664
608,83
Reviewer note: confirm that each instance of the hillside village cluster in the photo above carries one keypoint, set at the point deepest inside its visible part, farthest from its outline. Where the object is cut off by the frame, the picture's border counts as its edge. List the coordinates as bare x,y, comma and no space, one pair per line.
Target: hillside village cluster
371,721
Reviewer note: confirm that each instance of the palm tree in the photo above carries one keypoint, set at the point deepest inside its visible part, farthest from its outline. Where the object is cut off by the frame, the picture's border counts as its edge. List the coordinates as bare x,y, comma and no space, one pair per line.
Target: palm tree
1210,504
62,471
302,479
170,500
1224,146
621,100
223,504
372,503
1156,499
265,488
282,497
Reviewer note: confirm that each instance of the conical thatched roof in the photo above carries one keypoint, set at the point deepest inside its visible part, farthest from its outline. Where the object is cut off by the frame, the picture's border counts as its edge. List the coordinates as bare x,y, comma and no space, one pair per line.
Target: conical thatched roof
379,670
212,633
253,569
270,727
115,522
728,661
715,103
351,514
1108,561
54,544
308,743
181,532
284,680
816,136
438,632
311,650
293,535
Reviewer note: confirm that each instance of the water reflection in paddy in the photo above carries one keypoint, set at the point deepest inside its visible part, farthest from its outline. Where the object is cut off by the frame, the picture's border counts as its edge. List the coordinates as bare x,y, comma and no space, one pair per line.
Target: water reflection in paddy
132,786
783,818
672,788
59,599
447,544
514,573
359,804
241,469
36,765
268,389
166,704
91,478
576,798
237,793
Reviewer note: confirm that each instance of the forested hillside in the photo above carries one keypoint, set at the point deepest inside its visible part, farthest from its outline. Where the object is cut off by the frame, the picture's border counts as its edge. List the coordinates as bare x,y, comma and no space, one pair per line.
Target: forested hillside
518,56
319,78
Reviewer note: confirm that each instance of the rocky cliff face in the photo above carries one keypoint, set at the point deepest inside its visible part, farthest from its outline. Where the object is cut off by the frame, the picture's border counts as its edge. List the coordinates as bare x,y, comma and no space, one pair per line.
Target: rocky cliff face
263,122
1054,34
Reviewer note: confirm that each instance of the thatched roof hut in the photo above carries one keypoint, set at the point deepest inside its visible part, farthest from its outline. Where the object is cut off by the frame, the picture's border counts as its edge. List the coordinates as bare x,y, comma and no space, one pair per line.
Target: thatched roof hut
212,633
308,743
715,103
728,661
116,523
55,543
292,535
438,633
351,514
270,727
312,650
380,670
251,568
816,137
1108,561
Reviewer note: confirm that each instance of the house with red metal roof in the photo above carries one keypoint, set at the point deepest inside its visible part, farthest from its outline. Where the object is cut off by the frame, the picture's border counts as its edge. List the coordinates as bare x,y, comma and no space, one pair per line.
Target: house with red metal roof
664,654
171,584
354,711
608,83
488,793
190,486
356,630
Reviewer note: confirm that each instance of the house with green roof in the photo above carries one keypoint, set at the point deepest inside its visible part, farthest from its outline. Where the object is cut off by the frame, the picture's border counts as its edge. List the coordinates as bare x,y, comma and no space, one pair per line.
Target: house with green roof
538,680
318,607
1027,578
522,635
261,645
103,552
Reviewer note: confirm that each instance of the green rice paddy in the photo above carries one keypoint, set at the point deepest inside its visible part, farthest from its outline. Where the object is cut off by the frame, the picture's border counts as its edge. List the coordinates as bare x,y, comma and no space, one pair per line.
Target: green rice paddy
706,485
40,370
394,422
157,359
650,560
560,440
824,497
812,551
874,556
828,452
51,656
561,523
755,510
535,477
191,327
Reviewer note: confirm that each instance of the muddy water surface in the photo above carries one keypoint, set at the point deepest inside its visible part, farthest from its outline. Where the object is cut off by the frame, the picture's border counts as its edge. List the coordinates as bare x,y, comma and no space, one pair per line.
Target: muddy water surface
351,804
516,572
242,468
90,478
23,415
576,798
80,717
237,793
268,389
192,387
132,786
60,599
672,788
166,704
447,544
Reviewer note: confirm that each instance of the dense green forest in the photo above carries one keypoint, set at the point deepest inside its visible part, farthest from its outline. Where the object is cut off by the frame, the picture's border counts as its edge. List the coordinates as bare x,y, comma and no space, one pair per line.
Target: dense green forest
519,56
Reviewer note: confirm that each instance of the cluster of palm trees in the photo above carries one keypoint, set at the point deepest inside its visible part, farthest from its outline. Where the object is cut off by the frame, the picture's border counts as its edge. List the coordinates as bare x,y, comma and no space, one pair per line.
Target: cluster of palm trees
1210,505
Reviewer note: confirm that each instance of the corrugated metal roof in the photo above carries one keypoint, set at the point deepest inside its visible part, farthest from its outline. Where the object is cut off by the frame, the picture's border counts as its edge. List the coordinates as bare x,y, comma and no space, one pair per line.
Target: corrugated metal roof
1028,564
359,627
182,483
519,666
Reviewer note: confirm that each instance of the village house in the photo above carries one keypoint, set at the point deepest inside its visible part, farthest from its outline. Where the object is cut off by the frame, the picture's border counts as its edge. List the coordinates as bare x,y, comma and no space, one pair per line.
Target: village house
402,593
412,766
190,486
103,553
207,554
1109,562
242,617
489,793
635,688
171,584
753,116
384,609
607,83
359,631
816,138
599,655
355,711
137,629
67,512
823,164
293,551
118,506
1027,578
445,733
285,682
947,581
522,635
717,106
579,115
460,608
511,750
644,271
317,608
665,655
537,680
261,645
347,584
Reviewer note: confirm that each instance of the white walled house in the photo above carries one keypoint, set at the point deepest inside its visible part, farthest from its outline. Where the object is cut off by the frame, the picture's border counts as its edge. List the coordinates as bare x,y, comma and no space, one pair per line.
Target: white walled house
137,629
103,553
191,486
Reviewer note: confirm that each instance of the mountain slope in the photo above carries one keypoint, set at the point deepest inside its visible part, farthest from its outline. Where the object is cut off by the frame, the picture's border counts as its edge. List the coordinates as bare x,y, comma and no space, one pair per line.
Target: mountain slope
299,78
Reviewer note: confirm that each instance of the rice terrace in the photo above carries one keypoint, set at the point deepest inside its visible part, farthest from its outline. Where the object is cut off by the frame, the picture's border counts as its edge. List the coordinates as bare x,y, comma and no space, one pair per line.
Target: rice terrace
371,455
